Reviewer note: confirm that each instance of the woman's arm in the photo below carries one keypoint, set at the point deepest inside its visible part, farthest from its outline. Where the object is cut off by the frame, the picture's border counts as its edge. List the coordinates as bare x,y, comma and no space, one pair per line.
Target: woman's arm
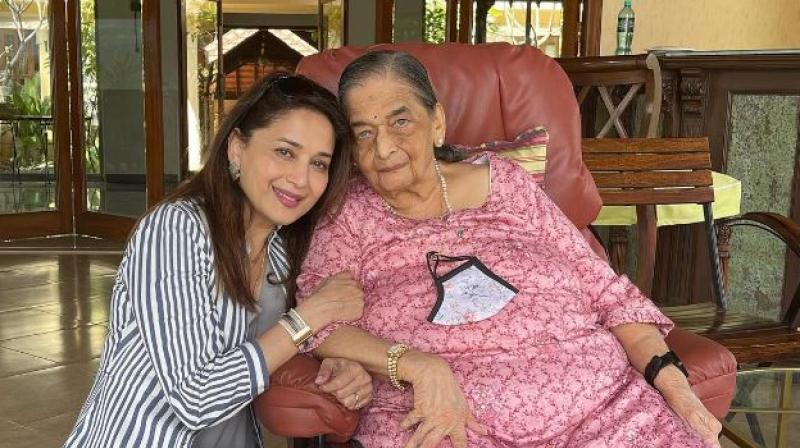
644,341
169,276
440,408
633,318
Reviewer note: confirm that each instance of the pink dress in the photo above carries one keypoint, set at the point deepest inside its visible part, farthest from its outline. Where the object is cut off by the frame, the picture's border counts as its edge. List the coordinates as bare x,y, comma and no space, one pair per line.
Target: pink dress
545,371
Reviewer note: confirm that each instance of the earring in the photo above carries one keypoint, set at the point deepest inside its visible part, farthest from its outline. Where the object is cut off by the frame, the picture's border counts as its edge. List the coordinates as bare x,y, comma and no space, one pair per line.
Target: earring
234,170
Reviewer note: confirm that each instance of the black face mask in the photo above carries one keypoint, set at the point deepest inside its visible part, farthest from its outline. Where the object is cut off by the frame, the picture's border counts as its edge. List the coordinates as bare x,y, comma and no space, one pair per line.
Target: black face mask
469,293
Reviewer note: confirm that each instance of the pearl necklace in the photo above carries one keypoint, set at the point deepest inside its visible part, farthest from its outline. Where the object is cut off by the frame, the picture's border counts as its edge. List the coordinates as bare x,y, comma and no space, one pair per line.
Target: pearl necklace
442,185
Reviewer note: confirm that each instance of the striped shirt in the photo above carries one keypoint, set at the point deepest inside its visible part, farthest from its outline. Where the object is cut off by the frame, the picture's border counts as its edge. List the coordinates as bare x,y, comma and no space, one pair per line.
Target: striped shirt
176,358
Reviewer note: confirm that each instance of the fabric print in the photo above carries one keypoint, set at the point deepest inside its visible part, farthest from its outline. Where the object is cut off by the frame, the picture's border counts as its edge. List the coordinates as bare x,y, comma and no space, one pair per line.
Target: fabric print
544,369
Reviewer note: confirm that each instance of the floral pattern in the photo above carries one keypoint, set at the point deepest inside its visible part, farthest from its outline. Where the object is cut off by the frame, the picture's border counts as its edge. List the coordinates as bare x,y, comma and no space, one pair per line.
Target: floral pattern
545,370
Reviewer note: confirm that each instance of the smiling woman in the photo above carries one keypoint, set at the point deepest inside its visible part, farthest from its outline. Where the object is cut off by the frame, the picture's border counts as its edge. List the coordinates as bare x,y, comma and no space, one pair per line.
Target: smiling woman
196,321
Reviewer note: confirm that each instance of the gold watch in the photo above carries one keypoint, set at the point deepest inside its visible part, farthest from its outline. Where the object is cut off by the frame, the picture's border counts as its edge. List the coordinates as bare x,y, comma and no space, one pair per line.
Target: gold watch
393,356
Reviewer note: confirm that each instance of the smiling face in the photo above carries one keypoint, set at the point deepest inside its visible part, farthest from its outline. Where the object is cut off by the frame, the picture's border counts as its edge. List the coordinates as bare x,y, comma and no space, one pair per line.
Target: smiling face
395,133
284,166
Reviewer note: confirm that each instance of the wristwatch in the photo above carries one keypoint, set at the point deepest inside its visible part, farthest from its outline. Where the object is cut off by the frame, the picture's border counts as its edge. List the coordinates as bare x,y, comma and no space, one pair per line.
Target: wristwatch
297,328
659,362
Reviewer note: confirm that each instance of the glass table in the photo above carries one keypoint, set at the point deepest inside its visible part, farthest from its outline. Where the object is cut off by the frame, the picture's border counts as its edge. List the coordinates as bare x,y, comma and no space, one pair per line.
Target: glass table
766,408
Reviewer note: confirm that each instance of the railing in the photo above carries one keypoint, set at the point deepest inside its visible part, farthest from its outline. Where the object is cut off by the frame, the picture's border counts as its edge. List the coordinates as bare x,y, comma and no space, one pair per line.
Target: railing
27,165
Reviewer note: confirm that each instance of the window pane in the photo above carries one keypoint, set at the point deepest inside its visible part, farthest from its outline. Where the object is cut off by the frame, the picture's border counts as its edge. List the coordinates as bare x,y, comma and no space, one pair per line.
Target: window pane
506,22
113,107
27,162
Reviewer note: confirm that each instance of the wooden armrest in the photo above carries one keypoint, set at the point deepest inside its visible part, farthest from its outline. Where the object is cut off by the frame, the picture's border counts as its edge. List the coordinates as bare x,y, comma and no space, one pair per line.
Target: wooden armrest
787,231
781,226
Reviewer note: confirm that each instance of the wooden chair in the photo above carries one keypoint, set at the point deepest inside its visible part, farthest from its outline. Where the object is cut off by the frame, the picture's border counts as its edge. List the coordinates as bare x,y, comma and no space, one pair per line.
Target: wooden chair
616,82
648,172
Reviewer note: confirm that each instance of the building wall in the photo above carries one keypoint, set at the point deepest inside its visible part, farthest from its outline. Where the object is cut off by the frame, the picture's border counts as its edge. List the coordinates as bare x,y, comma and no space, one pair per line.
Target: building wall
707,24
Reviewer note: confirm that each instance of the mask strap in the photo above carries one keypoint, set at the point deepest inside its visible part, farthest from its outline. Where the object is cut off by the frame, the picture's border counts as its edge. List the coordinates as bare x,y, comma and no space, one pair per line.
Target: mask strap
434,258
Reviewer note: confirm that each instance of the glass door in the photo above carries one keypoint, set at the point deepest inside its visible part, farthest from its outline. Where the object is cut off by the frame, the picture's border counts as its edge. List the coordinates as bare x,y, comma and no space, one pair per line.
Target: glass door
109,132
34,142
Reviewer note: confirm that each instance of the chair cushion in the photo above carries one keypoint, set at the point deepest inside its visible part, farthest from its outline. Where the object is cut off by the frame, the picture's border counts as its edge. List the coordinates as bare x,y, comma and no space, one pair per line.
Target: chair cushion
494,92
529,149
293,405
712,369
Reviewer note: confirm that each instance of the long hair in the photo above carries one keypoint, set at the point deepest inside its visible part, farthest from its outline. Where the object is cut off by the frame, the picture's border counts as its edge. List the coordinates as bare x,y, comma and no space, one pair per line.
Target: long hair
223,200
406,68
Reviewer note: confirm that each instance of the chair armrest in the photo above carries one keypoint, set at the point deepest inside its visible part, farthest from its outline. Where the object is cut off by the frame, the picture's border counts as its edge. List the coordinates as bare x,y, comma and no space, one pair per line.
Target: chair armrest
787,231
781,226
293,405
712,369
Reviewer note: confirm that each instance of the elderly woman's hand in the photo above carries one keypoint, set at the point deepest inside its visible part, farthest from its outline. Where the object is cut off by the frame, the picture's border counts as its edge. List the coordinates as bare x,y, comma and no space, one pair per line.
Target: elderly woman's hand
680,397
440,409
347,381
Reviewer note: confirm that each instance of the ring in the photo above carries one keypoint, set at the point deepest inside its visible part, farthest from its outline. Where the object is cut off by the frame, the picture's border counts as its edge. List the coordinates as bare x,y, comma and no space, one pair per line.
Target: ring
357,397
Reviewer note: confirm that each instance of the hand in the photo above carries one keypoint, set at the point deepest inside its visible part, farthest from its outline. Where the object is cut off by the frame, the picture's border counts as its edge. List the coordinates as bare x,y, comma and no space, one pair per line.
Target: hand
440,409
347,381
680,397
337,298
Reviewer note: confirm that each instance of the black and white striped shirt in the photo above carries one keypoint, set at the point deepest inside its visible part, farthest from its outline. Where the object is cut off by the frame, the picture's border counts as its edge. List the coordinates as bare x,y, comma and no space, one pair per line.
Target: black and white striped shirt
176,358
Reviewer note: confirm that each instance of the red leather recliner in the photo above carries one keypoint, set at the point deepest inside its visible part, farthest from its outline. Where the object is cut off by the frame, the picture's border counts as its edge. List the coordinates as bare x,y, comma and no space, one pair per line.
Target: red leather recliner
494,92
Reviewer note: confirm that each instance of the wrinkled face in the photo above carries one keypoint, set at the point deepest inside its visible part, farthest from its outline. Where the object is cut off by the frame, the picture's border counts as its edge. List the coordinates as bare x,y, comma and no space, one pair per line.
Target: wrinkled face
284,167
395,133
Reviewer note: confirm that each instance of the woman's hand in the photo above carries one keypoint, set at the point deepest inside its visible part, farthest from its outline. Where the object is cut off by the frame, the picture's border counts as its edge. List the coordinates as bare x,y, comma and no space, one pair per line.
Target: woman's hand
347,381
337,298
680,397
440,409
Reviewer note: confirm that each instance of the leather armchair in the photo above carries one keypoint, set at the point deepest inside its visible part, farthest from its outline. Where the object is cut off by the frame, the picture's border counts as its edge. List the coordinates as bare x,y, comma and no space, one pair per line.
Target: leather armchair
494,92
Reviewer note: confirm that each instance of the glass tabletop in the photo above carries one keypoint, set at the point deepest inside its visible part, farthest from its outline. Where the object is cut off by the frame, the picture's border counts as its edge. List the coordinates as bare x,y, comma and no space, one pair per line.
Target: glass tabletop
766,407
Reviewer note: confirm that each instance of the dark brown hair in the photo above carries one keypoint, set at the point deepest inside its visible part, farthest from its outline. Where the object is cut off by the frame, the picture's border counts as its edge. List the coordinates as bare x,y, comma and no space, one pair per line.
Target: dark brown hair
222,199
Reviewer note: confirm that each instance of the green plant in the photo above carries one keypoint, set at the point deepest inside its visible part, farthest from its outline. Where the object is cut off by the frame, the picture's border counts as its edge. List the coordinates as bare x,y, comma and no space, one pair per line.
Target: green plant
90,101
434,21
30,135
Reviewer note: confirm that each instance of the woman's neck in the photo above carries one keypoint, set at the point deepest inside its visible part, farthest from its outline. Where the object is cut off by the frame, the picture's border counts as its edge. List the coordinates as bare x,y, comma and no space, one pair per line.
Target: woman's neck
257,230
422,199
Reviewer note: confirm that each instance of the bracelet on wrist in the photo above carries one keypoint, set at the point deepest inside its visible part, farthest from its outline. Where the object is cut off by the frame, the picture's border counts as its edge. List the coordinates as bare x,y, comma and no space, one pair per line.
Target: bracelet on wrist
297,328
393,355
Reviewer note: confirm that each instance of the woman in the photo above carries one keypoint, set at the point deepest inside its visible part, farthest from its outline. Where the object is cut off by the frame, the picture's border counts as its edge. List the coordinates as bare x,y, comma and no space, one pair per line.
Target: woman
483,297
196,320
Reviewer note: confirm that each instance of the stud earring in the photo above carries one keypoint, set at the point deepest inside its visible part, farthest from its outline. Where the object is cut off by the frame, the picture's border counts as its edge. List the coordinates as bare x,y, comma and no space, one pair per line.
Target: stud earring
235,171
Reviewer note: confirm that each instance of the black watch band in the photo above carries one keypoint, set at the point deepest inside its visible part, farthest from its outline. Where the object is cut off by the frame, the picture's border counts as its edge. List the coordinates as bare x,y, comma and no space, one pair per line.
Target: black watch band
659,362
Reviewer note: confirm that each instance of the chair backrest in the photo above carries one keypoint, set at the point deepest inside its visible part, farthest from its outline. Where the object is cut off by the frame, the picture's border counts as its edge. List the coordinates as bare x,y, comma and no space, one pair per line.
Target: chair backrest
617,80
495,92
646,172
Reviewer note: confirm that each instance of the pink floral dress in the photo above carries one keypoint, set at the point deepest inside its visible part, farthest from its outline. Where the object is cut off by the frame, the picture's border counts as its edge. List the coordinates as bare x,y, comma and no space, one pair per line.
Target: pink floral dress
544,370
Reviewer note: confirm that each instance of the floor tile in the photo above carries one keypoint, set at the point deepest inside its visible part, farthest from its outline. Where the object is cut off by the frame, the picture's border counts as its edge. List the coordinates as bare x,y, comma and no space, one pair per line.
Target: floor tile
62,346
58,427
29,277
26,322
43,394
92,311
14,363
13,435
12,299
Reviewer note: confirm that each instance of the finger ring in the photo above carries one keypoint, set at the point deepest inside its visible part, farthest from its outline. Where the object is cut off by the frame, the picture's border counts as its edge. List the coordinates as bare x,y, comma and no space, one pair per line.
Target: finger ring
357,397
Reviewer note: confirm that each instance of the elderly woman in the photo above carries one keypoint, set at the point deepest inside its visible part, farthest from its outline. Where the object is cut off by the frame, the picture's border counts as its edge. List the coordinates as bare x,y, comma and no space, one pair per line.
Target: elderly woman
491,321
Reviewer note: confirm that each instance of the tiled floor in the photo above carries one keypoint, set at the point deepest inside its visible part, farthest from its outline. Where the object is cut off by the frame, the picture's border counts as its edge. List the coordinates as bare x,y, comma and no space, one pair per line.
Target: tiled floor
53,315
53,311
